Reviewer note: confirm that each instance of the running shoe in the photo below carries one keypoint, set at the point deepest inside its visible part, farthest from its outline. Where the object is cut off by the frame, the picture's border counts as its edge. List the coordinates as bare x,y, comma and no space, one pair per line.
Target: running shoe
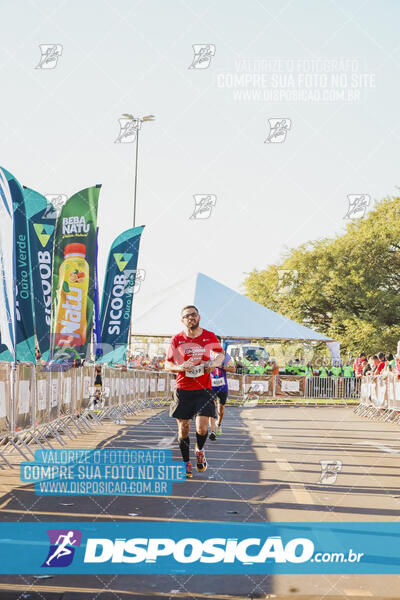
201,461
212,436
218,430
189,473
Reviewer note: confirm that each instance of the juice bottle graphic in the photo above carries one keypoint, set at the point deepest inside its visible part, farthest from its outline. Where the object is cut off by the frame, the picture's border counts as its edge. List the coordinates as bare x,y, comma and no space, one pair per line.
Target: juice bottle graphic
71,322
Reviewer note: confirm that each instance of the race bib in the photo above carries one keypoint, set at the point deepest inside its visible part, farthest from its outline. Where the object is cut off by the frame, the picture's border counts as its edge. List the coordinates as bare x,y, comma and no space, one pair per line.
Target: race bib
197,371
217,381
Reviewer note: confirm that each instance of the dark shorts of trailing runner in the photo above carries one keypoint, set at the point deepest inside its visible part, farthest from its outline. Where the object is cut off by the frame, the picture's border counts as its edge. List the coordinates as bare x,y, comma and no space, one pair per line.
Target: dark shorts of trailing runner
222,397
188,403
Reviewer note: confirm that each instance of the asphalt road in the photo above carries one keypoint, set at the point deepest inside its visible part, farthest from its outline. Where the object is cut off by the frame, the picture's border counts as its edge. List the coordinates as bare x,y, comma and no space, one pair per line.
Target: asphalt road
265,467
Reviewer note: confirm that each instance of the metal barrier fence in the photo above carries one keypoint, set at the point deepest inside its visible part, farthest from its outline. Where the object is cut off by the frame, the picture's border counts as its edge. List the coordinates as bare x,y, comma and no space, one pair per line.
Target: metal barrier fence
380,398
290,388
40,407
332,387
279,387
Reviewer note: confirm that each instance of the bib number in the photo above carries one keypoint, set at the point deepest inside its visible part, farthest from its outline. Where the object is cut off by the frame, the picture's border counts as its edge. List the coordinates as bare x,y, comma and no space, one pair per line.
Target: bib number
217,381
197,371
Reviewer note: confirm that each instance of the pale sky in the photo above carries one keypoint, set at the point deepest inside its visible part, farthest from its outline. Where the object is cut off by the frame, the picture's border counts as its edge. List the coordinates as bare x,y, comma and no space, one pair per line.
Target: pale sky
58,126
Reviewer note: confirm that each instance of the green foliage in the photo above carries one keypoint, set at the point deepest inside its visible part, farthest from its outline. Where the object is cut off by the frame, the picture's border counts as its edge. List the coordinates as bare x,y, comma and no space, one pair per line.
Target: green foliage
347,287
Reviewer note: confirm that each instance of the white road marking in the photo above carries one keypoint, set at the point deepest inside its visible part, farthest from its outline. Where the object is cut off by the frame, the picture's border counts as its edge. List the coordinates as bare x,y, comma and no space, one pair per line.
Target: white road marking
166,442
378,446
301,495
283,464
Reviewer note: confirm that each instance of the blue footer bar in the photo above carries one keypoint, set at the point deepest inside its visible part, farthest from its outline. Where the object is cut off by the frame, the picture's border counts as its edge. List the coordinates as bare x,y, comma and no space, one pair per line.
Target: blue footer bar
214,548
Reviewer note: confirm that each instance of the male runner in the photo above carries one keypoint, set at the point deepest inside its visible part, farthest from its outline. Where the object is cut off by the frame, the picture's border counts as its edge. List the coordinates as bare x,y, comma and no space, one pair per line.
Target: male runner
219,384
189,356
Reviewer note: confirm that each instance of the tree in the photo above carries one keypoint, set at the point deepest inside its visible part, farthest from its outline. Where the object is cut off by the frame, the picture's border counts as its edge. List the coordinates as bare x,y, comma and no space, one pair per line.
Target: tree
347,287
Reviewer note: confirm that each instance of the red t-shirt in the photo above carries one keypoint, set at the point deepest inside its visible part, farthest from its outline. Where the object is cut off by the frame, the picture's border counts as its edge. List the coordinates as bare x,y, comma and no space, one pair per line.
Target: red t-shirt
358,366
380,367
183,348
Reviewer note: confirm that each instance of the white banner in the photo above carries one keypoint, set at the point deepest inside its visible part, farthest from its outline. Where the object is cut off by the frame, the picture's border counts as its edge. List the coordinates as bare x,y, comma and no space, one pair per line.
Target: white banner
23,397
67,390
54,393
41,394
3,408
257,387
233,384
290,386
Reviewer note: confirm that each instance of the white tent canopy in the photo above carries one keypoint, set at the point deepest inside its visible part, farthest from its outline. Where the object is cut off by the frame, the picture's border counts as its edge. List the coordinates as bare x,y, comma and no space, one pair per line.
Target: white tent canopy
224,311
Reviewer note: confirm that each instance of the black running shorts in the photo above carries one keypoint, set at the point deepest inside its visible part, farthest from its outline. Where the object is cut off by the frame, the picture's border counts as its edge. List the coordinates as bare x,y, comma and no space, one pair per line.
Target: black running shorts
188,403
222,397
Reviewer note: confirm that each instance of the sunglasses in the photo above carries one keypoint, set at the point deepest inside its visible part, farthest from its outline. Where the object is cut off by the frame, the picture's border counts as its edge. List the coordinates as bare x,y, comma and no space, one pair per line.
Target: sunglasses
192,314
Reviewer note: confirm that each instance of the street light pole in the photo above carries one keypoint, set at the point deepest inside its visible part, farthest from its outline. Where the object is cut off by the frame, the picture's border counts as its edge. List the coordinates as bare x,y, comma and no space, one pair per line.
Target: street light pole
136,164
137,126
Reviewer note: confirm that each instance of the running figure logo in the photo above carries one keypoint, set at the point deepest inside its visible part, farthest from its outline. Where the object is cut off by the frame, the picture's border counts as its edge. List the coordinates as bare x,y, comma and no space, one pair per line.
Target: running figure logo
278,129
203,54
56,201
62,547
255,389
286,280
127,131
50,55
358,204
203,205
133,280
329,471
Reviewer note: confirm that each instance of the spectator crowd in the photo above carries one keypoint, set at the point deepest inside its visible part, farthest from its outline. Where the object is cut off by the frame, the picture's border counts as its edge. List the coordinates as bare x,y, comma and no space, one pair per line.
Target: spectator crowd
295,367
144,362
376,364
